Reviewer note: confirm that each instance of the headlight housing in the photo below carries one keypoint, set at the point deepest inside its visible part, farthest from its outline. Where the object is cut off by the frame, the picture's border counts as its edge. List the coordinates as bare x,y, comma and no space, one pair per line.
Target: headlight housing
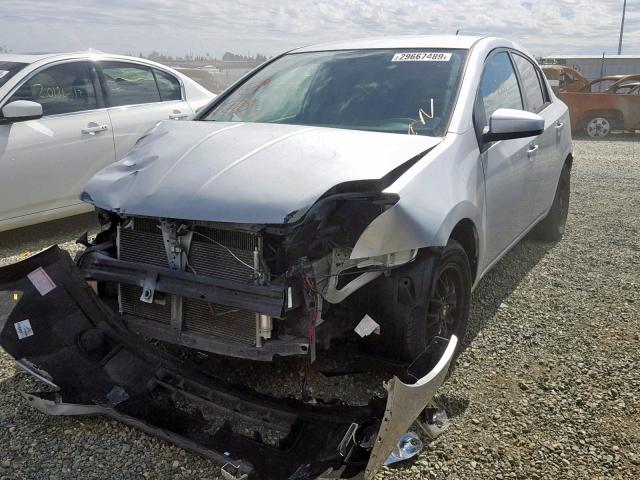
335,221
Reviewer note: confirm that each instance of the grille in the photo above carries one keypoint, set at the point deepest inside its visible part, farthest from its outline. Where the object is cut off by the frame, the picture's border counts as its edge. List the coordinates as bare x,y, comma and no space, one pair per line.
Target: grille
144,244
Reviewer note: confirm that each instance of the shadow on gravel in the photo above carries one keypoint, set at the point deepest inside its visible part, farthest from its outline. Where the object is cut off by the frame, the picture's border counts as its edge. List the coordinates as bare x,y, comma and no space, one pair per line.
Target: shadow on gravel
39,236
503,279
452,404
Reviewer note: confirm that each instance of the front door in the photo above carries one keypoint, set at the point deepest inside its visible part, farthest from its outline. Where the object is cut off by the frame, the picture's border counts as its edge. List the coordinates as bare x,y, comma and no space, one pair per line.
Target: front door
546,159
507,168
45,163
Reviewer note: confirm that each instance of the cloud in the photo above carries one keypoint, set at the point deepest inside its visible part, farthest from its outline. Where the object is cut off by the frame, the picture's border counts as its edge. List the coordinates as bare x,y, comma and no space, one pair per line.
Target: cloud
199,26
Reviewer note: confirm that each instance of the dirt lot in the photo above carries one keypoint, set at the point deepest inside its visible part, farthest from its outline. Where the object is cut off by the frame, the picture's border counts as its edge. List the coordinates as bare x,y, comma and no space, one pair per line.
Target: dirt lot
546,388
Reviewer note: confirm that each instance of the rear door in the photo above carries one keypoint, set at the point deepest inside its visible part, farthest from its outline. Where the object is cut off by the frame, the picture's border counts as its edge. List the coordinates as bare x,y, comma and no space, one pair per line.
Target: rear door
139,96
509,192
545,153
46,162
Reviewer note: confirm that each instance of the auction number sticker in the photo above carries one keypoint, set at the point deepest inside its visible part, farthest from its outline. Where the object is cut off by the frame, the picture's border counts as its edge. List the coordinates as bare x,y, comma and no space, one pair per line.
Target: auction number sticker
421,57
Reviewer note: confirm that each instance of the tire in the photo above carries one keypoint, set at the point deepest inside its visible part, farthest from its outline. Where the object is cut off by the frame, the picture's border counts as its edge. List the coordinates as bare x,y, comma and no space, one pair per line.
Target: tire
552,227
445,311
598,127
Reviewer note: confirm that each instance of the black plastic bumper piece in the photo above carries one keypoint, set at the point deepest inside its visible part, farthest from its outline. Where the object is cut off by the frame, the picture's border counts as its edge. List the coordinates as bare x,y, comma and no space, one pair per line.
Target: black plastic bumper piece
73,341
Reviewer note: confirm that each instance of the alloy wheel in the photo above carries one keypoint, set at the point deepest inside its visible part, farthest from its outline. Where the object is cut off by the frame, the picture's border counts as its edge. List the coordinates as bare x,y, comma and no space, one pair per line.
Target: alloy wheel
445,312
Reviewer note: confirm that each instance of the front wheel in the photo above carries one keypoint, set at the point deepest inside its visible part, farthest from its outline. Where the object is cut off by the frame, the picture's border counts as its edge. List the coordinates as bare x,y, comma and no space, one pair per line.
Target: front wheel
445,311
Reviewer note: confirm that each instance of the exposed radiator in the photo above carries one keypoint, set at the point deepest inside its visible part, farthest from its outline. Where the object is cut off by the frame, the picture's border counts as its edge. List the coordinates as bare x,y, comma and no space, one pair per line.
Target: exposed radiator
144,244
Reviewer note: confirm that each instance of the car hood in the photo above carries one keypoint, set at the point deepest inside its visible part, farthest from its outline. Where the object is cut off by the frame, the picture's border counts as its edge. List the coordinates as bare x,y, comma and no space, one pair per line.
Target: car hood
243,172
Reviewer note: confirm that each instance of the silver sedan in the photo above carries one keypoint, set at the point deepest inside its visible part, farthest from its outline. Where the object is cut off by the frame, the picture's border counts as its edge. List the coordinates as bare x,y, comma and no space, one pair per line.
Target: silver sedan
354,190
386,176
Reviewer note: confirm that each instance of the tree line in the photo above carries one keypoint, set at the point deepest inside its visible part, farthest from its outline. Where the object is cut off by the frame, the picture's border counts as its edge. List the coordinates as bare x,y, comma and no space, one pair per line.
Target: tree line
227,57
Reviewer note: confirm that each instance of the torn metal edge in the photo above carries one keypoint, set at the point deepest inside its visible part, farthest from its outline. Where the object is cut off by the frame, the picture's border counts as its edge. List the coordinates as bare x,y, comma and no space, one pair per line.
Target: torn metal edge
404,405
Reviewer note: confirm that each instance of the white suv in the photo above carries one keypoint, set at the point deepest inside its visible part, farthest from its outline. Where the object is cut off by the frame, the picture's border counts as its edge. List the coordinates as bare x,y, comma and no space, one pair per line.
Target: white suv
63,117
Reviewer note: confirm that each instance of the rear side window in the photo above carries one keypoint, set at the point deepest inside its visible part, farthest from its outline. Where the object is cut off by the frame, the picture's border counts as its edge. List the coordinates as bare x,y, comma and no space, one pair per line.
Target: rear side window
499,86
530,84
129,84
168,85
63,88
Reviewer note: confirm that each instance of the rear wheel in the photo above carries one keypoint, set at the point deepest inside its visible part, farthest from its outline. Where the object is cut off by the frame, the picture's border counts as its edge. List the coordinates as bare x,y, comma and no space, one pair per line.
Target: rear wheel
598,127
553,226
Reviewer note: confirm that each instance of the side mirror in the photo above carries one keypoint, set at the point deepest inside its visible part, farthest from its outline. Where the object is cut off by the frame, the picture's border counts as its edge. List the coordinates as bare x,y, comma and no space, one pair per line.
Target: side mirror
21,110
506,124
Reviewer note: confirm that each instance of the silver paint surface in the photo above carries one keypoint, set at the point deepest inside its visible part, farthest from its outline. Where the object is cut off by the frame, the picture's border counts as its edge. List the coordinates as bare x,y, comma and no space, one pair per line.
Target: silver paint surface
244,172
260,173
405,402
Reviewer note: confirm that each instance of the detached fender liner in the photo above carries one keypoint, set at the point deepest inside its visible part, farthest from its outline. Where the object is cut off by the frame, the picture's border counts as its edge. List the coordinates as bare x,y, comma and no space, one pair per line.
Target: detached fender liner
54,325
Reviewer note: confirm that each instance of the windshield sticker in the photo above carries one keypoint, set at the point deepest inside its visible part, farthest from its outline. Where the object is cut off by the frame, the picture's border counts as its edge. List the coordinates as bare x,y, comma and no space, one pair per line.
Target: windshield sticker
3,73
422,57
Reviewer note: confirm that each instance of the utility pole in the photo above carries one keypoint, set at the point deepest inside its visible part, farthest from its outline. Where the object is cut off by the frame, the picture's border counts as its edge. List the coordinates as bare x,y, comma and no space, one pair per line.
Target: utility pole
624,9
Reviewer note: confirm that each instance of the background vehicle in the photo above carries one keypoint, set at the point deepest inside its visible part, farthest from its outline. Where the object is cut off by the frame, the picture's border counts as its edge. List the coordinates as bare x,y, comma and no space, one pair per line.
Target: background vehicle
563,78
599,106
65,116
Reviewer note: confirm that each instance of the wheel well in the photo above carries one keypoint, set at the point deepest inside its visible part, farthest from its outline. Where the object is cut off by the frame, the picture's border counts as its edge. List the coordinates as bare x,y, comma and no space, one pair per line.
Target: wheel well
465,234
610,114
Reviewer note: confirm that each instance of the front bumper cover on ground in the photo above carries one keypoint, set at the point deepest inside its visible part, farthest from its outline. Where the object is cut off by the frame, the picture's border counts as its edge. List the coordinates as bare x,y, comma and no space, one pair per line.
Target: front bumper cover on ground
54,325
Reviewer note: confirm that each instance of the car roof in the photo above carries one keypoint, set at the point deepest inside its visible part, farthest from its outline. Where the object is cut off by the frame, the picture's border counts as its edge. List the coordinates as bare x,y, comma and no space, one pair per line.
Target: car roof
403,41
30,58
608,78
26,58
546,66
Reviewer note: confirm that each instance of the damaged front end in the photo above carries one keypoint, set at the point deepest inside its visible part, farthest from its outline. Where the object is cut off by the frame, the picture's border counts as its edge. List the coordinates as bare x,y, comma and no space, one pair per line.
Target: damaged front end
250,291
53,323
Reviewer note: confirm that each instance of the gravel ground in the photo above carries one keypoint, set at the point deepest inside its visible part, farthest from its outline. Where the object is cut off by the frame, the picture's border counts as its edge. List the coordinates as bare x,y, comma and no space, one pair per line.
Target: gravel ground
547,386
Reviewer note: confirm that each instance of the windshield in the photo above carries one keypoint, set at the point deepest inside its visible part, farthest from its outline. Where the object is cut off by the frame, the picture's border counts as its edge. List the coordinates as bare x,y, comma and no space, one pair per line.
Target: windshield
395,91
8,70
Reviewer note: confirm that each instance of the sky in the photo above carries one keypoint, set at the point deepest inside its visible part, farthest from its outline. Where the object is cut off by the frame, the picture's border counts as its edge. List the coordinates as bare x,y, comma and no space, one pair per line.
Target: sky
198,27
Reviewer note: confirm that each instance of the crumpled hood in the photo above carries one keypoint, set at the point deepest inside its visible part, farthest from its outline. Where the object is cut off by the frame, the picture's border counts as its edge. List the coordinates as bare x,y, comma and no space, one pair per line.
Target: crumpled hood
243,172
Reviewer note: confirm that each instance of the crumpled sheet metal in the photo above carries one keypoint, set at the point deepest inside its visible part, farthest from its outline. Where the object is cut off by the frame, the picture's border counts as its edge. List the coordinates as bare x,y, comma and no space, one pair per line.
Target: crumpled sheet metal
95,366
404,404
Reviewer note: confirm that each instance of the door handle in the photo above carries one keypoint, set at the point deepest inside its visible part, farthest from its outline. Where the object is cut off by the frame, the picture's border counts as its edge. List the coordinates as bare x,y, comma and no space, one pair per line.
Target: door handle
94,128
559,125
531,150
178,115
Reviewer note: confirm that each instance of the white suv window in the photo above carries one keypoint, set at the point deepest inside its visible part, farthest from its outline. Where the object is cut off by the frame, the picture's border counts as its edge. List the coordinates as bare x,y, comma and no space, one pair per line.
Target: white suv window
129,84
63,88
168,85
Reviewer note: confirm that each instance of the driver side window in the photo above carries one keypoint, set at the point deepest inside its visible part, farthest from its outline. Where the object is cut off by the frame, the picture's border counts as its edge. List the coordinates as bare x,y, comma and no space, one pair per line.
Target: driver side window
63,88
498,89
499,86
